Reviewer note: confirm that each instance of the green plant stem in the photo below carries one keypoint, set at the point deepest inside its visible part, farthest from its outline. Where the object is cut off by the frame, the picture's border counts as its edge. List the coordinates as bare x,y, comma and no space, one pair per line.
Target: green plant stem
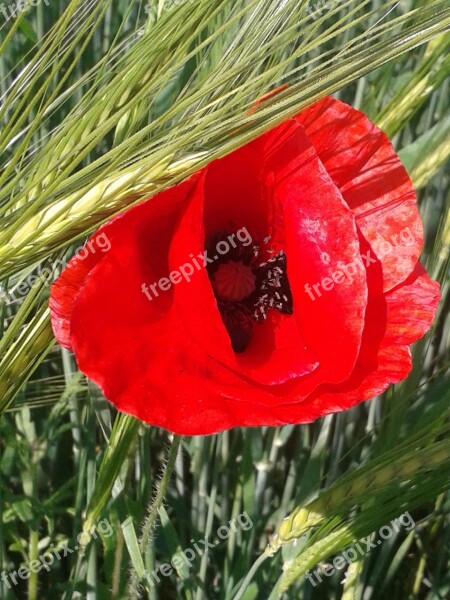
258,562
152,515
33,580
118,553
160,493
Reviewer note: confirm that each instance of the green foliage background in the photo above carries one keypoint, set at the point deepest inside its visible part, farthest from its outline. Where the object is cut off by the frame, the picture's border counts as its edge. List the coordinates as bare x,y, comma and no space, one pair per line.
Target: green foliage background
105,102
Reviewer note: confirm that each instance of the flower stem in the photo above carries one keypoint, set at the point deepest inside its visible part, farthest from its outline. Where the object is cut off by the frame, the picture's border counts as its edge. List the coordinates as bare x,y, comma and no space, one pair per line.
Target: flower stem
160,493
33,580
153,509
258,562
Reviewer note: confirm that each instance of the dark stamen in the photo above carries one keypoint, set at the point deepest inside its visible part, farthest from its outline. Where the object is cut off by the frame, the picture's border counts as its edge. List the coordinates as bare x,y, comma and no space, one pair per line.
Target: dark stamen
271,289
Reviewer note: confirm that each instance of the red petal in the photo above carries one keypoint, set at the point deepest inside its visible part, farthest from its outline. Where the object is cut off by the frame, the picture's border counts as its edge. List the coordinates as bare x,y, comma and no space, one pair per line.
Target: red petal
363,164
139,350
408,311
66,288
321,236
276,352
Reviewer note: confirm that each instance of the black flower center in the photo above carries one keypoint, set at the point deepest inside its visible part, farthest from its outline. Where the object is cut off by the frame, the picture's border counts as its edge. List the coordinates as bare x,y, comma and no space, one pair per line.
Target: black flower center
248,281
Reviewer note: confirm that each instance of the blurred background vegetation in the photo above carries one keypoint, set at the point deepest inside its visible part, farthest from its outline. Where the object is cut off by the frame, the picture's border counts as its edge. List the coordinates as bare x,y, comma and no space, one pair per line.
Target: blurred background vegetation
102,104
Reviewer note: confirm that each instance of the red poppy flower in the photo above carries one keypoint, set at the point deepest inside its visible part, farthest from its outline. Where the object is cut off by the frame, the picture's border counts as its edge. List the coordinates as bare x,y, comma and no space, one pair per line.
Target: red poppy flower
306,300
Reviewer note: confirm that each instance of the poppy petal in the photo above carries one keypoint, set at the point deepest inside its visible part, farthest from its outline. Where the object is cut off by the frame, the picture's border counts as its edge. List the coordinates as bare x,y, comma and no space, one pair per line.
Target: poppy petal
409,311
136,220
64,292
329,190
277,352
321,237
362,162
